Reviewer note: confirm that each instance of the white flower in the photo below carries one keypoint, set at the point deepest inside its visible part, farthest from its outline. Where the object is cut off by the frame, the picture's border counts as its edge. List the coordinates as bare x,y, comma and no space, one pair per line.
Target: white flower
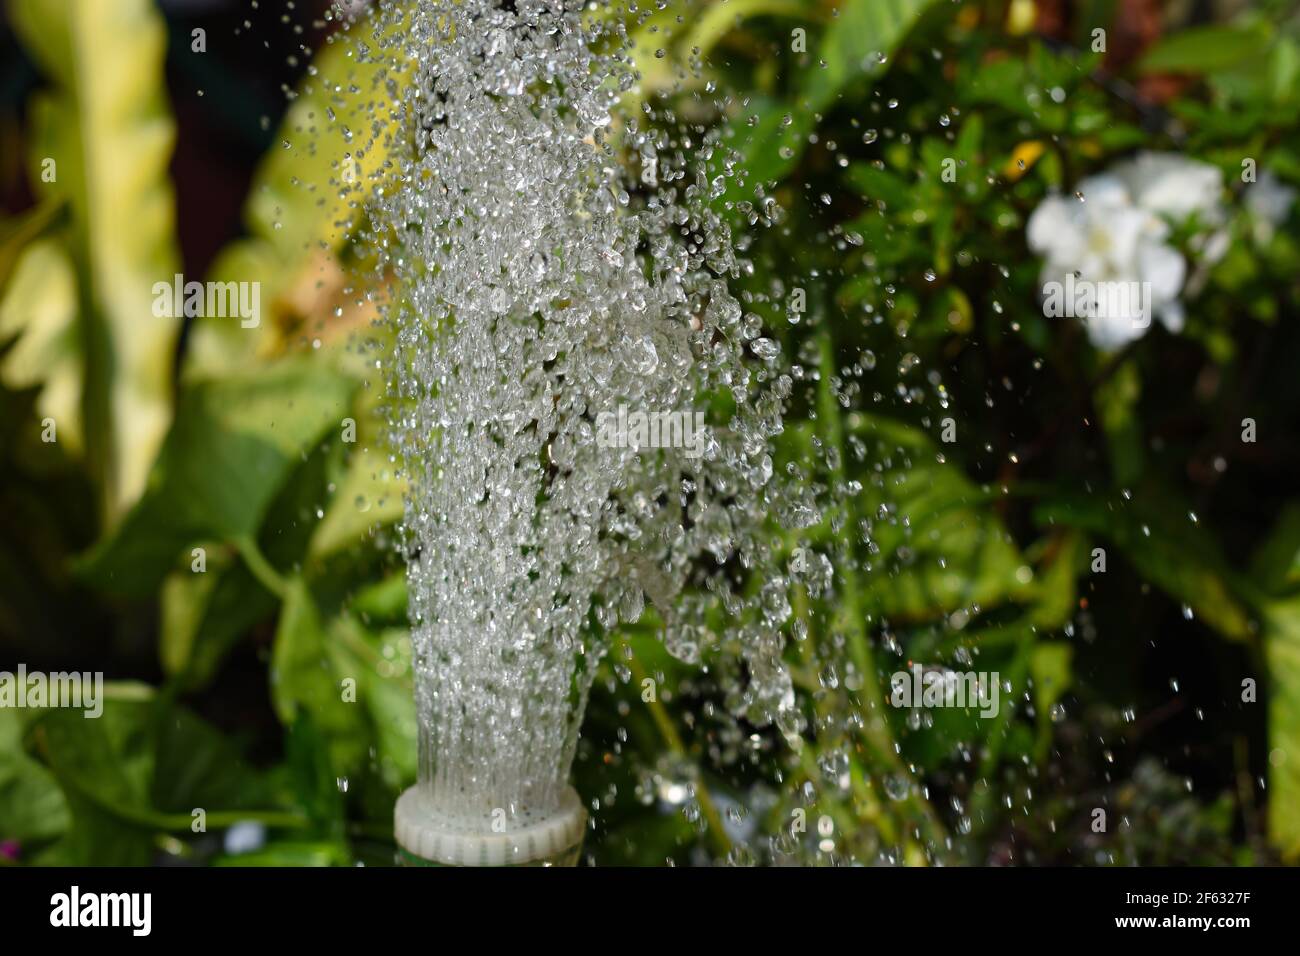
1174,186
1105,238
1117,233
1269,202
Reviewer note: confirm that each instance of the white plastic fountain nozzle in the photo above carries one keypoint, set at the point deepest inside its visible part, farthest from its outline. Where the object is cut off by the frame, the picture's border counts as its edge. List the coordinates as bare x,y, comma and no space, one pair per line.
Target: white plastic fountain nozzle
430,836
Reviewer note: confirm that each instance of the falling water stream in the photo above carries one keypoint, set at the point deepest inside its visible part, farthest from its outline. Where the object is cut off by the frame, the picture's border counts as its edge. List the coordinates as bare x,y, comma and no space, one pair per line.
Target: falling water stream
557,257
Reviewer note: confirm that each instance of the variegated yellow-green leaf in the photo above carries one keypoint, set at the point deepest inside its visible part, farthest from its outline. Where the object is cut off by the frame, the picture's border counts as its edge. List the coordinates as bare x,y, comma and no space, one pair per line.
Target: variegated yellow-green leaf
307,195
102,137
38,314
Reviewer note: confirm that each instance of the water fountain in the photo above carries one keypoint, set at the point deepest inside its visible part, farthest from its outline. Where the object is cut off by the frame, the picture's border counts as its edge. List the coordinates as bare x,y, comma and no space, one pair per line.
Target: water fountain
556,260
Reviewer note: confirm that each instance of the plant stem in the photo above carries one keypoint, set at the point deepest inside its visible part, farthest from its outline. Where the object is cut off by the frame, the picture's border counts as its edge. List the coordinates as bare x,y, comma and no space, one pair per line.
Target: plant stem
668,731
260,567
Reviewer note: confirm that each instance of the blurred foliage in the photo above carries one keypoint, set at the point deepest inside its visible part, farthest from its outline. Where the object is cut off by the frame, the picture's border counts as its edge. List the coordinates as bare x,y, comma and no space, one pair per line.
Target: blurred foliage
1121,690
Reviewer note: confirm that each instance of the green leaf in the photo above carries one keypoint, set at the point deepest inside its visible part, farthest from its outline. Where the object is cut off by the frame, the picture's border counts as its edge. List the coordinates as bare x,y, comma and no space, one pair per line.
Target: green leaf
1164,546
772,146
1282,652
1116,400
769,148
105,123
854,41
1049,665
382,666
1284,69
234,444
383,602
1205,50
308,670
1001,82
310,774
1055,587
204,615
368,497
32,807
195,765
1051,672
947,730
880,185
941,548
138,770
970,140
1276,565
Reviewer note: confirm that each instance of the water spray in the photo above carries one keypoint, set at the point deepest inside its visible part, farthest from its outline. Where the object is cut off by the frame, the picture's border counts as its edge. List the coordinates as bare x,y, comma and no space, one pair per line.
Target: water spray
559,264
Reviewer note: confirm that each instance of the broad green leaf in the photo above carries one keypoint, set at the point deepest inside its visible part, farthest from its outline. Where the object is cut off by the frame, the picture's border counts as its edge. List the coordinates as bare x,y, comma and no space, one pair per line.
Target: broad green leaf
381,664
391,705
183,603
295,516
771,145
32,807
105,124
941,547
195,765
204,615
368,497
383,602
99,837
946,730
859,42
310,774
1205,50
308,671
671,45
234,444
970,141
138,770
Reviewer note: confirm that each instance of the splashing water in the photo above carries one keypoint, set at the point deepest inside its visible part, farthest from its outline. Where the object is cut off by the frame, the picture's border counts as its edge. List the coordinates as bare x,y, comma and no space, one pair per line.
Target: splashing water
540,286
